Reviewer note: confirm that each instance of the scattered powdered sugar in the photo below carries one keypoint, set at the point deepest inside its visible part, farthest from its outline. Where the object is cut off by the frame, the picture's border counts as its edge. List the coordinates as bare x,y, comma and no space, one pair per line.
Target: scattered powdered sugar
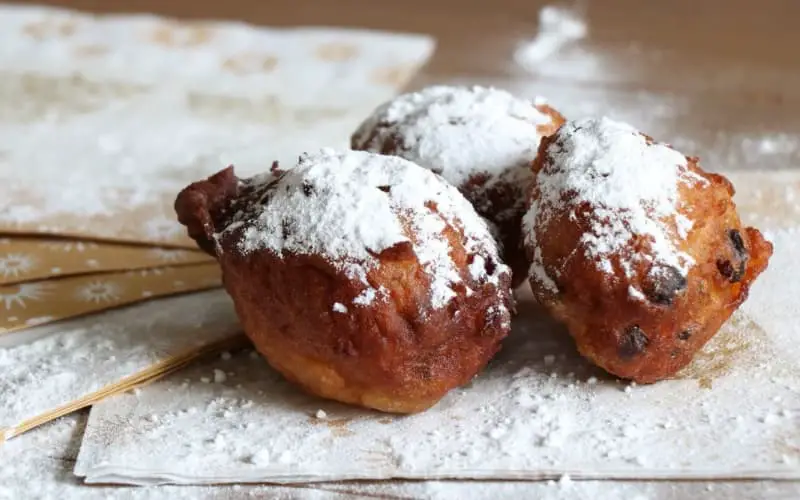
631,186
350,206
339,308
526,416
772,144
219,376
261,457
558,27
460,133
39,465
74,359
366,297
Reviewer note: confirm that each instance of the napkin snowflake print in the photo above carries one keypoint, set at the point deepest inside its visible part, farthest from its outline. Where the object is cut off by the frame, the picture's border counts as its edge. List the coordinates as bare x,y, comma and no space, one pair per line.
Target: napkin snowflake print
20,295
100,292
16,265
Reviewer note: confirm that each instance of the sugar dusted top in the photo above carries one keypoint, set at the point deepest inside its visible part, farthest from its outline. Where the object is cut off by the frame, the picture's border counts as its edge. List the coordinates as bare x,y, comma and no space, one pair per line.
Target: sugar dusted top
350,206
459,132
632,187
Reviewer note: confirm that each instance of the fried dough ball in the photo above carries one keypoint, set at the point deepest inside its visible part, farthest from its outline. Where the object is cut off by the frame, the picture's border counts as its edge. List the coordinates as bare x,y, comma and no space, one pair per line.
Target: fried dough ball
635,247
362,278
481,140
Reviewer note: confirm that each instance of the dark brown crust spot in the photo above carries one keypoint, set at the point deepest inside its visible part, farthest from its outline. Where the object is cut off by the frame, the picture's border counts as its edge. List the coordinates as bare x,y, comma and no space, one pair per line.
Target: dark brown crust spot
685,334
308,188
202,205
490,266
738,243
385,189
734,272
632,342
286,229
731,273
666,282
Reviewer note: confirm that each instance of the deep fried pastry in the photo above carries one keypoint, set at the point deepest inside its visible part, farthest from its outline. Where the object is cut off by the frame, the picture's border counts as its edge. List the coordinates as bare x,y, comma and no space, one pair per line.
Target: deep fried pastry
636,248
481,140
362,278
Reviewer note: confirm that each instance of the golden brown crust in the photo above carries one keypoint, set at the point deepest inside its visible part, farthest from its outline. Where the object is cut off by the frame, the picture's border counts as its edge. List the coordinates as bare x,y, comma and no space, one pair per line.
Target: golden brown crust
650,338
396,354
556,120
383,356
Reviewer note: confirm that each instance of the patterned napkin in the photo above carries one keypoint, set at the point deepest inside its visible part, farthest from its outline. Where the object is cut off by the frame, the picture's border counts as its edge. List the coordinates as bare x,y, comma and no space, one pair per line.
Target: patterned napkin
43,280
104,119
29,259
24,305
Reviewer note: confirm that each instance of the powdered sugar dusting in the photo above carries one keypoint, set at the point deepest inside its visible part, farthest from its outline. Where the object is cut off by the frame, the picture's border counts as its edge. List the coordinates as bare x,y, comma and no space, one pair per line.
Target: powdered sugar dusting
77,358
26,472
539,410
366,297
460,132
39,465
631,186
350,206
558,27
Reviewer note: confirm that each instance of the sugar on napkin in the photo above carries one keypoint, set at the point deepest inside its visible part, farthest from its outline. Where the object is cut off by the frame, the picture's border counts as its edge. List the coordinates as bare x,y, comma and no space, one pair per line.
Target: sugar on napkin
39,465
61,368
104,118
538,411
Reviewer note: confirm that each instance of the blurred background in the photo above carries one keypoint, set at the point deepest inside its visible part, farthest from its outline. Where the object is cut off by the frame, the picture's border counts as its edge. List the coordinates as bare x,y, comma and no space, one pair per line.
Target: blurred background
477,37
686,71
102,124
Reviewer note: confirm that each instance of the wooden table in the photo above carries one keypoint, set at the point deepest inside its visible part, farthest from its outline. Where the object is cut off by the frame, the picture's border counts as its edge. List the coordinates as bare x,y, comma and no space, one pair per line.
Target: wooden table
732,65
719,77
476,36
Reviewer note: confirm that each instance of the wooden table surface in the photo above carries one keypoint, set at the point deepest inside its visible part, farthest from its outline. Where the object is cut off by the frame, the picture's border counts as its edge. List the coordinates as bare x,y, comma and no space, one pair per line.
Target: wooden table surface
720,72
720,78
477,36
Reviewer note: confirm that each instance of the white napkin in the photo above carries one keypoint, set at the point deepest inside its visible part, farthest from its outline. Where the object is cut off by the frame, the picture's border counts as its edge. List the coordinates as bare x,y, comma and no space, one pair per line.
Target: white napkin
538,411
38,465
104,119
